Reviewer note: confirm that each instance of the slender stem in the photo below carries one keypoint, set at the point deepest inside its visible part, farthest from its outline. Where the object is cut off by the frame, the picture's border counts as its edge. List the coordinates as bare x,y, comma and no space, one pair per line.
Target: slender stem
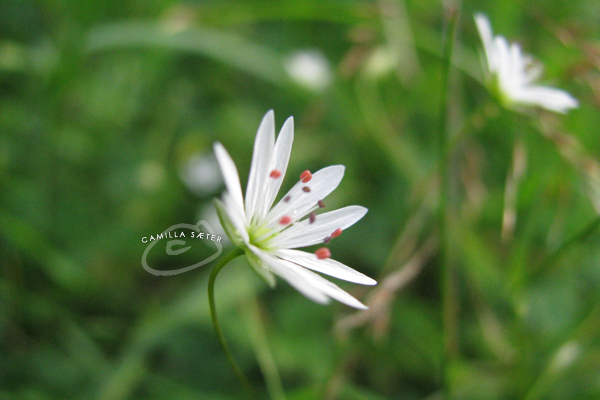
446,276
213,313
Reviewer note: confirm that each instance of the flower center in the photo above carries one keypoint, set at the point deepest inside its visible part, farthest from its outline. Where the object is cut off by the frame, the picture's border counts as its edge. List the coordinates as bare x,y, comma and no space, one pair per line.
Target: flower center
260,236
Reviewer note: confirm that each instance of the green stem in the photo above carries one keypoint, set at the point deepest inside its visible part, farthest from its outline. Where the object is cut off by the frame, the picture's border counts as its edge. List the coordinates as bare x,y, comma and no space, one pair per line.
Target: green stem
213,313
446,276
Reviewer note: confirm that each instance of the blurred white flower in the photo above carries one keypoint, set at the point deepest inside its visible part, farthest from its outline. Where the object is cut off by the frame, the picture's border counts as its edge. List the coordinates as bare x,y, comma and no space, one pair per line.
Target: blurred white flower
512,74
268,235
201,174
309,68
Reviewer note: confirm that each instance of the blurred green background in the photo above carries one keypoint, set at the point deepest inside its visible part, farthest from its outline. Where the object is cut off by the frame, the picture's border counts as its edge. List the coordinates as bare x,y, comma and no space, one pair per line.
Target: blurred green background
108,112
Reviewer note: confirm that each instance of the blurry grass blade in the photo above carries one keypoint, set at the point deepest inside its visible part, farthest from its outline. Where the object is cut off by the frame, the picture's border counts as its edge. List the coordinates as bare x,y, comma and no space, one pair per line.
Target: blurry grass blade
400,148
449,296
252,314
226,47
464,59
398,32
482,265
511,189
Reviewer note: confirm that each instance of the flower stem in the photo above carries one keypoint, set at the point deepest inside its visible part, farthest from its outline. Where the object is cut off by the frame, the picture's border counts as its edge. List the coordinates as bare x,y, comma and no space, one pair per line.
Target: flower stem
449,323
213,313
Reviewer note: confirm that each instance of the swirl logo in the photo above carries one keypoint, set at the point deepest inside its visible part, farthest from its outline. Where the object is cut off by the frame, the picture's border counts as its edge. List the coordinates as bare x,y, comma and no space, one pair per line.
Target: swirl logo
174,246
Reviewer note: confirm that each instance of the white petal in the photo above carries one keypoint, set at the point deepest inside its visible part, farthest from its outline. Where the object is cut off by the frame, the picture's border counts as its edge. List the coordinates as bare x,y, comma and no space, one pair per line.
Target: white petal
313,286
299,282
327,266
261,161
505,72
237,216
281,158
549,98
485,31
303,233
517,65
258,265
232,223
230,177
300,202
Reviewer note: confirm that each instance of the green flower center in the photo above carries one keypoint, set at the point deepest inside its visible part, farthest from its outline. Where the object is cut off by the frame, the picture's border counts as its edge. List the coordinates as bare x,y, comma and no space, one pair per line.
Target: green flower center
260,236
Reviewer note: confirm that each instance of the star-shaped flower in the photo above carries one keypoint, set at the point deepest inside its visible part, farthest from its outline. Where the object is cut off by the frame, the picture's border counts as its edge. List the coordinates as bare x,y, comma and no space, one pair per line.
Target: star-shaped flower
512,74
269,236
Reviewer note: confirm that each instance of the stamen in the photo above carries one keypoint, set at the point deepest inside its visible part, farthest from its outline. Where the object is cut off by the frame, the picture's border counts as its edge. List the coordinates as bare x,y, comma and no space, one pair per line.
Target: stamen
275,174
321,204
327,239
312,218
305,176
286,199
323,253
285,220
306,189
336,233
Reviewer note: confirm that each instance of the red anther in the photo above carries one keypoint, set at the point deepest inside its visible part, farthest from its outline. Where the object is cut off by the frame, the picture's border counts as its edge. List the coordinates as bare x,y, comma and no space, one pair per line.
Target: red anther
327,239
321,204
286,199
306,189
323,253
305,176
336,233
312,218
275,174
285,220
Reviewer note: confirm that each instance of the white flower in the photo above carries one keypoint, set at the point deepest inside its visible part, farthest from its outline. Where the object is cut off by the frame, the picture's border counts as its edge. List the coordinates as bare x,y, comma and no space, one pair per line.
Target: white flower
201,174
269,235
512,74
310,69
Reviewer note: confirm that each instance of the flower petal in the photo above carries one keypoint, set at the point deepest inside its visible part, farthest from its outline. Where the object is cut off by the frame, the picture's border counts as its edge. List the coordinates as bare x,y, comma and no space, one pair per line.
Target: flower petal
485,31
313,286
549,98
303,233
327,266
261,268
281,158
261,161
300,202
505,63
230,177
295,279
232,223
